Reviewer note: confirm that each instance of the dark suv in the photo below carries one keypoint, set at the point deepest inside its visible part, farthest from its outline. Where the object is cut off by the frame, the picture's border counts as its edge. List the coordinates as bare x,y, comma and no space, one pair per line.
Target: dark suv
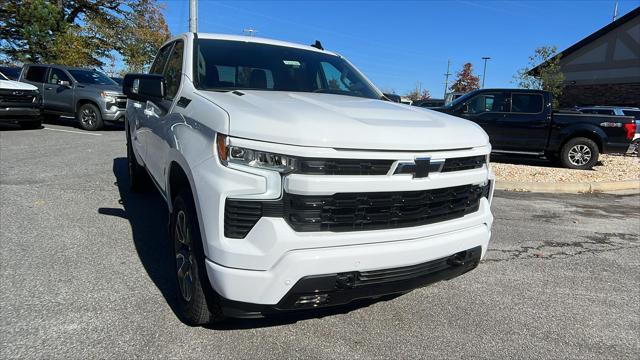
89,95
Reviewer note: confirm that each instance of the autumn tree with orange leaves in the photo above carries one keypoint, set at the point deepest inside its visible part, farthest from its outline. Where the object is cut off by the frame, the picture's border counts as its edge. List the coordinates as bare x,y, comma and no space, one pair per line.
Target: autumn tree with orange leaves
466,81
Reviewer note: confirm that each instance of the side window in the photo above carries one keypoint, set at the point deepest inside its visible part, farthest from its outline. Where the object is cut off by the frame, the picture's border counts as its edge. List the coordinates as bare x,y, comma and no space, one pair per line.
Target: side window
486,103
334,78
160,60
36,73
56,75
526,103
173,70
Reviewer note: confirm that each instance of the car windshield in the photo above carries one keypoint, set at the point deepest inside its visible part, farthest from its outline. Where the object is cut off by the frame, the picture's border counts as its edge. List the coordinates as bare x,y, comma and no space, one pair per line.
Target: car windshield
460,99
225,65
10,73
91,77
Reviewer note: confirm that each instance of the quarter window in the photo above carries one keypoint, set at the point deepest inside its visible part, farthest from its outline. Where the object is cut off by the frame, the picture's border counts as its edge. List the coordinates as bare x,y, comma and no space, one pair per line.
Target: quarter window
36,73
173,71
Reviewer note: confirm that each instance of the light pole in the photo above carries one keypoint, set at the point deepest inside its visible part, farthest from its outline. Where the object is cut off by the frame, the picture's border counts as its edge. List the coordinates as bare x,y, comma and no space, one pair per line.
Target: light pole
193,16
484,72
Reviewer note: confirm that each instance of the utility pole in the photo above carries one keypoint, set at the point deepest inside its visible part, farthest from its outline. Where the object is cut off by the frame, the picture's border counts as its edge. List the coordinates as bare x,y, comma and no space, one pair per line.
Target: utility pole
446,78
484,72
193,16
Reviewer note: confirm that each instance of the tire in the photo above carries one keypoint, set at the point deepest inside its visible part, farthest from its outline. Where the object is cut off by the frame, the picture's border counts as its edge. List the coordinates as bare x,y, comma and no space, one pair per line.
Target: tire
579,153
89,117
198,303
138,177
30,125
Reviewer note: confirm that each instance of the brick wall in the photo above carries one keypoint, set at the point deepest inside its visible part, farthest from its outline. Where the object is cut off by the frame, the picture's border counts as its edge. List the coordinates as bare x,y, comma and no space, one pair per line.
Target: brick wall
601,94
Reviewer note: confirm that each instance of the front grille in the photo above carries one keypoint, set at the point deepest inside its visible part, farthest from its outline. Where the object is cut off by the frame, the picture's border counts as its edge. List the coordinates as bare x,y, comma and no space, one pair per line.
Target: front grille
356,211
464,163
343,167
121,102
384,210
21,97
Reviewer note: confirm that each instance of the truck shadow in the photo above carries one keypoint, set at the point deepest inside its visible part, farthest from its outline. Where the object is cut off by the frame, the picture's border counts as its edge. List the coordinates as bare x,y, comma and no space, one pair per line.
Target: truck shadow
147,214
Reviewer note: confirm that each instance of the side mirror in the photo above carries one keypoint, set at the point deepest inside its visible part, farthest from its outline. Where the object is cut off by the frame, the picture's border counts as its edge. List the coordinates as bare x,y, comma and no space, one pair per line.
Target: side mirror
64,83
465,108
144,87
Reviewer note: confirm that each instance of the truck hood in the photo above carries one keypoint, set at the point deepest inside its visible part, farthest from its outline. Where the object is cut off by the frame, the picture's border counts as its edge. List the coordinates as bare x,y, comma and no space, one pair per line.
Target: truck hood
107,88
16,85
337,121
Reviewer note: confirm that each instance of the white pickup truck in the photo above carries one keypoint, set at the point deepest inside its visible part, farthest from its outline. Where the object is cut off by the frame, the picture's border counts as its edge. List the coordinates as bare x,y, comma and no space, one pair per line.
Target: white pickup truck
292,184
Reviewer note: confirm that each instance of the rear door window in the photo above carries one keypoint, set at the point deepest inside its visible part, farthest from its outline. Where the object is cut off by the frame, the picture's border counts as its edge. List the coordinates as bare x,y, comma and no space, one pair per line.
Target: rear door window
526,103
36,73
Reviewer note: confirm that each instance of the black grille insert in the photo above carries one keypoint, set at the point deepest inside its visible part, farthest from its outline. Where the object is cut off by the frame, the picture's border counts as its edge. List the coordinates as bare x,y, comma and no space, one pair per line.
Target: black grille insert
384,210
464,163
356,211
343,166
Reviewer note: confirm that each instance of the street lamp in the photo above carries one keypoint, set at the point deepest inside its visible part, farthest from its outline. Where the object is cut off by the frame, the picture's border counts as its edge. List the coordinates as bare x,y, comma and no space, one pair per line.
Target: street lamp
484,72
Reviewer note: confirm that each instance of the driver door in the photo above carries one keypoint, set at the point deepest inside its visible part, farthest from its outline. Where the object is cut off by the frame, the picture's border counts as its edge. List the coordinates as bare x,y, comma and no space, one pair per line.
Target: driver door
58,92
488,109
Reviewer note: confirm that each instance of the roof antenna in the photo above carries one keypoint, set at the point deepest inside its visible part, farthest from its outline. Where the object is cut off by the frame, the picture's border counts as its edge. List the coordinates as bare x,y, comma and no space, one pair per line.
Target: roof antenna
317,45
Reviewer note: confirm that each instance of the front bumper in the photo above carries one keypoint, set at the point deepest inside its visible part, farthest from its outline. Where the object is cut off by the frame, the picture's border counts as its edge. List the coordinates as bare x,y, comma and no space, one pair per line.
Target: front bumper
114,115
18,113
319,291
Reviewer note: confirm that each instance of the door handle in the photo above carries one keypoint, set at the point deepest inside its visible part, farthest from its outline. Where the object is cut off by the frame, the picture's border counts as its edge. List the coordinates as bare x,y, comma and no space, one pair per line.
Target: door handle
48,88
137,105
149,112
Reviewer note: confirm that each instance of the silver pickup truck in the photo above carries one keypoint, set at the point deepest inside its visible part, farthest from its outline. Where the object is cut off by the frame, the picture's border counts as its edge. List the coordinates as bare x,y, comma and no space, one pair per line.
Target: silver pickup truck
89,95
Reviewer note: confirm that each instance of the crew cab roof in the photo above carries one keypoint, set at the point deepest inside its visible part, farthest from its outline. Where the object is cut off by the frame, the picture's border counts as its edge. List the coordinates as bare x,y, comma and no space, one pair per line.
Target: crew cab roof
254,39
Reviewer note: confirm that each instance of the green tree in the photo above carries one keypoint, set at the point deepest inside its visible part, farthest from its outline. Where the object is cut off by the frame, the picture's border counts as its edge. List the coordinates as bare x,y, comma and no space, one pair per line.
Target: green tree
542,72
466,81
145,31
80,32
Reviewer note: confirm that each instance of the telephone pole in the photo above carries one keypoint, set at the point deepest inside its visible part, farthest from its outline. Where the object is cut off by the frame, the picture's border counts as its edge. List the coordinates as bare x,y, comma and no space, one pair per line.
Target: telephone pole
484,72
193,16
446,78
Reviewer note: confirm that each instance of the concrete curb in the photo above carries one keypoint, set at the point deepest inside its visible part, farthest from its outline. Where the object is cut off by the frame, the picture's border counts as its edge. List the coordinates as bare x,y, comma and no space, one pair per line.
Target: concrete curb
590,187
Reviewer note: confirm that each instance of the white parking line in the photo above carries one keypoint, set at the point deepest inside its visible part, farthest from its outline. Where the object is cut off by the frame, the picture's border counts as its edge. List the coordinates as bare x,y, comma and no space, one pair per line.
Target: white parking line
73,132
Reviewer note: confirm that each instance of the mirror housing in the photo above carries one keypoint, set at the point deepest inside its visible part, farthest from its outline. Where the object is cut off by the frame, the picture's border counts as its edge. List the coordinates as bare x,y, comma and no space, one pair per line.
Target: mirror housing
64,83
144,87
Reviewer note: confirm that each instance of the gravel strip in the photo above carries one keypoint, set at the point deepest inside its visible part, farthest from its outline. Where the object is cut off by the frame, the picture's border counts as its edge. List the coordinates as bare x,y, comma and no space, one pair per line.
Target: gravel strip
609,168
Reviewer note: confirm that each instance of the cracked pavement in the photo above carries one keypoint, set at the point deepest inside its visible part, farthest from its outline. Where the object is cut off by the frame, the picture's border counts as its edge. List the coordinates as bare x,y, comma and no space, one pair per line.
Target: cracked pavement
84,277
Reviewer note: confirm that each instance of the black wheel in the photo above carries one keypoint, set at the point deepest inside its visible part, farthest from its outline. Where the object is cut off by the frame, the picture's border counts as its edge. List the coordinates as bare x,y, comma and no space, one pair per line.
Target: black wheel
579,153
198,303
36,124
138,177
90,117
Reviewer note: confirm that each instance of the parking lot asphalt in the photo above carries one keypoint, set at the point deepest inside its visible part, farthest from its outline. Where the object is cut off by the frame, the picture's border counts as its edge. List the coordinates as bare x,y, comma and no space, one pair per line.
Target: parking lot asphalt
85,274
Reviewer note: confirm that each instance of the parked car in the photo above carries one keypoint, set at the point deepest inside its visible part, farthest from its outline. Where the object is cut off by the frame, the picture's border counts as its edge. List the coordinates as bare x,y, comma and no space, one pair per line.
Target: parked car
523,122
293,185
10,72
429,103
19,102
87,94
118,80
620,111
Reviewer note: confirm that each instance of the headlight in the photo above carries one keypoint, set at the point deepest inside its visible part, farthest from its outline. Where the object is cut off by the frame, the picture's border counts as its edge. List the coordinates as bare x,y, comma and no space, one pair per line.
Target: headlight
253,158
108,97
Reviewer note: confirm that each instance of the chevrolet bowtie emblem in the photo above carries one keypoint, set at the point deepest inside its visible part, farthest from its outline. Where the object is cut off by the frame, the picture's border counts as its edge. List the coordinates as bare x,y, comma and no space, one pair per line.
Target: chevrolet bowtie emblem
419,167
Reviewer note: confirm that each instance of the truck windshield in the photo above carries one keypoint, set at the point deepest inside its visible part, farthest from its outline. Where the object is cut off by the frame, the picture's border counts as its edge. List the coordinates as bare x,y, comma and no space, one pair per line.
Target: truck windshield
225,65
91,77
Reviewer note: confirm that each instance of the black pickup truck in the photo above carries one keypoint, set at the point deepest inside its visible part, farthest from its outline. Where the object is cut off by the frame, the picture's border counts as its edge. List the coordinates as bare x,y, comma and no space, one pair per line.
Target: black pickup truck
522,121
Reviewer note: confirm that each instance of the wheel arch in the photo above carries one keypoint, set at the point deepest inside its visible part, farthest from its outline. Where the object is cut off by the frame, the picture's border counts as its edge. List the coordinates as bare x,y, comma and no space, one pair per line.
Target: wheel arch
592,133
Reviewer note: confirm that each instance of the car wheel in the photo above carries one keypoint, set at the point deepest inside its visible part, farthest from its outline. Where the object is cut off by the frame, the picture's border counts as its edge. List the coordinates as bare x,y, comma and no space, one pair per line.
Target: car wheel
37,124
90,117
197,301
138,177
579,153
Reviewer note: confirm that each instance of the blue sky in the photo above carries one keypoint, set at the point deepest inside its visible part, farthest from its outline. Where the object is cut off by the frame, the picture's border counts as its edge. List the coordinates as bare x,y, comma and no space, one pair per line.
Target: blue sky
400,43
